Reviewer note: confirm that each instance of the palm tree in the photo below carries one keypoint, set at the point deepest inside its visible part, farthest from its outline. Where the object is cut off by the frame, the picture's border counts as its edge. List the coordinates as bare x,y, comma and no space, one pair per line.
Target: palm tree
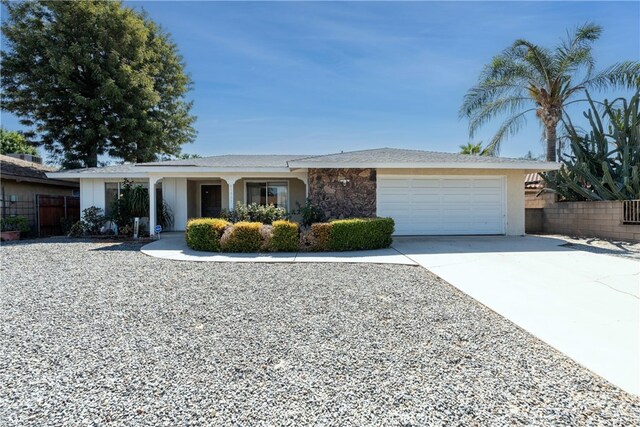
528,78
475,149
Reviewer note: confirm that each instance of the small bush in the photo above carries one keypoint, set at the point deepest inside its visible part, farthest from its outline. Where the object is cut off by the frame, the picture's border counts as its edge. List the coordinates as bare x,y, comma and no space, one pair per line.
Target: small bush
266,233
15,223
126,230
361,234
93,219
254,213
285,236
78,229
203,234
320,236
66,224
309,212
242,237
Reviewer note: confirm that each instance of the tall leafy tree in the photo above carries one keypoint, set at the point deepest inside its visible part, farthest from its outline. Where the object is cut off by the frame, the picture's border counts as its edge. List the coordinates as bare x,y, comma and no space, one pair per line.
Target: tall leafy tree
527,78
95,78
15,142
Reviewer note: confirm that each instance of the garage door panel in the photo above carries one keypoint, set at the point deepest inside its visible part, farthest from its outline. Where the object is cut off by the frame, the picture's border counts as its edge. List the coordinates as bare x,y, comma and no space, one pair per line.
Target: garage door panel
431,205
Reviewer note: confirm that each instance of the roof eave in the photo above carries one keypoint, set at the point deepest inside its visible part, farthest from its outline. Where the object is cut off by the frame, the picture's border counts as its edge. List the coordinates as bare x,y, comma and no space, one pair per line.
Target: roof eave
76,175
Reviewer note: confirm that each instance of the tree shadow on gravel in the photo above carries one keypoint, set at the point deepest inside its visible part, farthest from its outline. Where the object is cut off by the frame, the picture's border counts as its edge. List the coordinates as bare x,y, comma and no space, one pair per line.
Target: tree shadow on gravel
119,246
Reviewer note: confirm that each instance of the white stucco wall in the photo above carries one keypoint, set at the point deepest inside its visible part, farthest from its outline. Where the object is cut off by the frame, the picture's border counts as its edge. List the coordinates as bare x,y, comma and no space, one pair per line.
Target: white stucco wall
91,193
174,193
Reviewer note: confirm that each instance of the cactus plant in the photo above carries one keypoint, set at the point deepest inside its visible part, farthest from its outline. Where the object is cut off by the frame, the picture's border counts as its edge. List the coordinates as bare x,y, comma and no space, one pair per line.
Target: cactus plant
604,162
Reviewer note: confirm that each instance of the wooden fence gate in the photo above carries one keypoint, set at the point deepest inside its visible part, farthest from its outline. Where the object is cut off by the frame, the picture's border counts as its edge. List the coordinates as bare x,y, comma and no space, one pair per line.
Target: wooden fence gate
52,210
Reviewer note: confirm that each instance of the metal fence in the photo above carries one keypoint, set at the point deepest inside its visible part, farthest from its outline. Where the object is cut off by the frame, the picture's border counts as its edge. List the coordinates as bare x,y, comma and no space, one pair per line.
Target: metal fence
631,212
45,214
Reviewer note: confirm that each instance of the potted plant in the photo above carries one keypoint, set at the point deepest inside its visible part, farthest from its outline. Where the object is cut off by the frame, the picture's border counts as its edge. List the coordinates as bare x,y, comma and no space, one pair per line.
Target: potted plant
12,226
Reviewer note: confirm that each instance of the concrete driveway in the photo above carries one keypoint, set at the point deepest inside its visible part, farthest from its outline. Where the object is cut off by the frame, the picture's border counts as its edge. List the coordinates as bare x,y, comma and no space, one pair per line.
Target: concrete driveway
586,305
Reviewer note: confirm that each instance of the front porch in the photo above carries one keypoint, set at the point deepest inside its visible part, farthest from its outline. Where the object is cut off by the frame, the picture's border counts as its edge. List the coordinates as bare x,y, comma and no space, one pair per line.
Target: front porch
201,195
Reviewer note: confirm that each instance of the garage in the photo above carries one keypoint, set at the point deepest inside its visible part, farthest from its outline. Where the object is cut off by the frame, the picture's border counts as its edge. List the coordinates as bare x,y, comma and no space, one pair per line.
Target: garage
443,205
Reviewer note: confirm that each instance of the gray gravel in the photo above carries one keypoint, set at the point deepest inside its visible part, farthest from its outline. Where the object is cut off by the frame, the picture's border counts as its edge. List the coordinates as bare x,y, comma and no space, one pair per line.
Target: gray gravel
98,333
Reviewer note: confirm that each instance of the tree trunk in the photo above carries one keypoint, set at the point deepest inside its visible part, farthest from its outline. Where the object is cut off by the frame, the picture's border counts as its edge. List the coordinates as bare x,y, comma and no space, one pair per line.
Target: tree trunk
91,159
551,143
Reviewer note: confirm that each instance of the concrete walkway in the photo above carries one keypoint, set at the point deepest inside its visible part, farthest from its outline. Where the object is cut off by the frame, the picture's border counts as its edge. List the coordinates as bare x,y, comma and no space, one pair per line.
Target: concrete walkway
587,305
173,246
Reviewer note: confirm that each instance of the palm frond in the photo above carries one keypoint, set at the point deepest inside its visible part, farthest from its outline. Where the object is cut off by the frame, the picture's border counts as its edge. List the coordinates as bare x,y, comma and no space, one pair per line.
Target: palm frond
622,75
489,110
489,90
510,127
540,58
575,51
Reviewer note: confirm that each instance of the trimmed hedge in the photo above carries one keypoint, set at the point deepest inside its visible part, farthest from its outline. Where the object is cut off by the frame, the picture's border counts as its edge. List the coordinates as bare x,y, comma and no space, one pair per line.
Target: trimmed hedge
361,234
209,234
242,237
203,234
284,237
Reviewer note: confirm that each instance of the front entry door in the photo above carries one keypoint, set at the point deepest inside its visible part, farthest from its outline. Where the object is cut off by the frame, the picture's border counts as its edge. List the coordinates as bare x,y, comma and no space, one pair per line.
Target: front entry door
211,197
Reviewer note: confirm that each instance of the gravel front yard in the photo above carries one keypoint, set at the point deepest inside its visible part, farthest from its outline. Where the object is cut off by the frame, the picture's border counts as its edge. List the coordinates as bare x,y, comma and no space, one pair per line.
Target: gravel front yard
100,333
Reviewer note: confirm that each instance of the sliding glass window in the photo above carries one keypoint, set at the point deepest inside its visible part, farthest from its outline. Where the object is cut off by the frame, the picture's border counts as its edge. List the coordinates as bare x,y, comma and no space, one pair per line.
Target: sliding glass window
268,193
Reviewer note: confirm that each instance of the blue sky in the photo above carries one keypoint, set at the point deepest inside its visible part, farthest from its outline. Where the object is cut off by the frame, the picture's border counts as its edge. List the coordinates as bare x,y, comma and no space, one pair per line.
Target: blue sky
294,77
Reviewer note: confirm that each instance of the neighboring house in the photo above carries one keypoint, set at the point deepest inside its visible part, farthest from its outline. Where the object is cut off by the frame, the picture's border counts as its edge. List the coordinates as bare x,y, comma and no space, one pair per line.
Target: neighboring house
426,193
25,183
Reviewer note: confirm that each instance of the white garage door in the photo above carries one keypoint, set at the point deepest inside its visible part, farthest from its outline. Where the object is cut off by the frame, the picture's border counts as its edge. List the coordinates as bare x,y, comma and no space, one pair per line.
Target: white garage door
443,205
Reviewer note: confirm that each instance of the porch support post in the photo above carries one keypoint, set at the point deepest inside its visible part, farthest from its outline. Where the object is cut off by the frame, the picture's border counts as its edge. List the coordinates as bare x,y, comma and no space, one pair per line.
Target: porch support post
152,204
306,186
231,180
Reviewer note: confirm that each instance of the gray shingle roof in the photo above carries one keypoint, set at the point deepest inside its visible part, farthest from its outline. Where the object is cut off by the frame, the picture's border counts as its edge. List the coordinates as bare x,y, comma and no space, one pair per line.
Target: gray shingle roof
124,168
400,156
233,161
17,169
379,157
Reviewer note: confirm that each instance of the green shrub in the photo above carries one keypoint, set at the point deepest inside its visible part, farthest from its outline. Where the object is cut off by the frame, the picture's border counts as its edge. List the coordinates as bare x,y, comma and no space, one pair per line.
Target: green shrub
285,236
203,234
360,234
93,219
309,212
78,229
242,237
66,224
15,223
254,213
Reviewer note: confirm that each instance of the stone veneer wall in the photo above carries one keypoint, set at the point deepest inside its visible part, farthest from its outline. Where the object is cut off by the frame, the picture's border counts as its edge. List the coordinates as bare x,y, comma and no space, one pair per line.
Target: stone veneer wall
344,193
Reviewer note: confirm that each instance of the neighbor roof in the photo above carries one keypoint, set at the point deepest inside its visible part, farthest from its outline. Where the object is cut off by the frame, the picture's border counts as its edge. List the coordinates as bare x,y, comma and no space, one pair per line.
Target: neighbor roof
22,170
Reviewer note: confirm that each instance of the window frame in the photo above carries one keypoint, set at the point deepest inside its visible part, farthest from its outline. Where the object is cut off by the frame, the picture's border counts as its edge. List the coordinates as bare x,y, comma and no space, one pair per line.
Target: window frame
266,182
119,189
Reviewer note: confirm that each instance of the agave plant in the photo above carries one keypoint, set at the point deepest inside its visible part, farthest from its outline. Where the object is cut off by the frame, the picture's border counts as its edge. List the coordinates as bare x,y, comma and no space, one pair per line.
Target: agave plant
604,161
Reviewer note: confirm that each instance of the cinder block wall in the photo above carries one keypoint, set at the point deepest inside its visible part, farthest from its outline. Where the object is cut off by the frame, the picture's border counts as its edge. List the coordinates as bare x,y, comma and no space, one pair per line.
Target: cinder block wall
590,219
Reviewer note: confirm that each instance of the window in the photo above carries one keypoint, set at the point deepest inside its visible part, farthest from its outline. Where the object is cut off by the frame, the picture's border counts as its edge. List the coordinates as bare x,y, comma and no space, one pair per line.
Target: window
112,193
268,193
